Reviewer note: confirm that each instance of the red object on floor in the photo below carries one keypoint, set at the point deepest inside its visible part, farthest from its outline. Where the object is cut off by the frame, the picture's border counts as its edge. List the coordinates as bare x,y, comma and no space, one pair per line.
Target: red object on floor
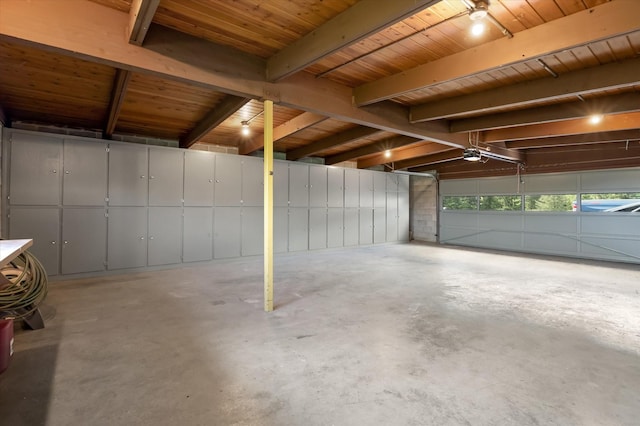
6,343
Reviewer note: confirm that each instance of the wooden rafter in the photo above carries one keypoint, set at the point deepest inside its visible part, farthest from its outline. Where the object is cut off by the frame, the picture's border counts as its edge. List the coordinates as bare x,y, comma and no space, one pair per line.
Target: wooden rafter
399,155
589,138
607,20
229,105
338,139
626,102
204,64
380,146
295,125
609,76
118,92
439,157
141,15
363,19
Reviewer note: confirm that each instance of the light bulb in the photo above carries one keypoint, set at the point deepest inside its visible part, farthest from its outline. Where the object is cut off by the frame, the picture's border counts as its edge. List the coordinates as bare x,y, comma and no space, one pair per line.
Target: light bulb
245,129
387,154
595,119
477,29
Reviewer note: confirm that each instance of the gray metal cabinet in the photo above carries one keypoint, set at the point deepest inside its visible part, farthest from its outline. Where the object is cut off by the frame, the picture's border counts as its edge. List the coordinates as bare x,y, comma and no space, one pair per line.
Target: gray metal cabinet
165,235
84,240
335,187
252,231
366,188
403,183
228,190
43,226
335,227
379,190
379,226
36,164
366,226
317,228
392,182
280,229
298,185
126,237
403,216
198,178
252,177
351,227
280,184
128,181
197,234
351,188
298,229
226,232
317,186
85,173
166,177
392,216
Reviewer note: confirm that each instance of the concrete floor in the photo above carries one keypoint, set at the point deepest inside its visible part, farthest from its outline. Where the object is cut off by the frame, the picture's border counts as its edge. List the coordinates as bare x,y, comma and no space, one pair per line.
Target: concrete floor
388,335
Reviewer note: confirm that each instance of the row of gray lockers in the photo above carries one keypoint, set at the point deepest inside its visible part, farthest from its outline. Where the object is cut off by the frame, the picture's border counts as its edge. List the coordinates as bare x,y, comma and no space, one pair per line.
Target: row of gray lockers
87,239
50,170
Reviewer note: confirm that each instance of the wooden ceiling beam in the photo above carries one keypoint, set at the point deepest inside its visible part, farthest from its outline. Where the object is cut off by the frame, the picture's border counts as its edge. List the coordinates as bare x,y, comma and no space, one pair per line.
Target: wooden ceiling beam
626,102
609,123
118,92
337,139
590,138
594,24
380,146
4,118
225,109
140,17
604,77
439,157
363,19
84,30
401,154
288,128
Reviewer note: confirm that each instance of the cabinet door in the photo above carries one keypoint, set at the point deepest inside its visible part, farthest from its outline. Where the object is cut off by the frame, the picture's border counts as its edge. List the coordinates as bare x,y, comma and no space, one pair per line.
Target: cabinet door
280,229
165,235
335,187
166,177
85,173
227,223
36,163
392,216
43,226
280,184
198,234
126,237
198,178
84,240
403,183
335,227
379,226
128,181
366,188
252,231
351,188
366,226
403,216
392,182
317,229
252,177
379,190
298,185
351,228
228,181
317,186
298,229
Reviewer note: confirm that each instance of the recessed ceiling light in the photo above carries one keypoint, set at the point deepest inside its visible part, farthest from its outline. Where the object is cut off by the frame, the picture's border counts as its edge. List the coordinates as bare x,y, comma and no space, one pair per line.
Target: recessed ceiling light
595,119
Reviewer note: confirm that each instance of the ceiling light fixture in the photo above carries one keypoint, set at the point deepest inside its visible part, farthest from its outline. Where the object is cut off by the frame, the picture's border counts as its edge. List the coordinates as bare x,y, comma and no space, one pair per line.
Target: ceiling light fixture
595,119
387,154
479,10
471,154
245,128
477,29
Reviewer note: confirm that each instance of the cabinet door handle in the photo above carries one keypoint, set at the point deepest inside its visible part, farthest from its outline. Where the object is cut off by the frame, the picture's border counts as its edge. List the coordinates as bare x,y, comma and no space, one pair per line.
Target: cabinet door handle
151,177
66,172
53,243
142,238
141,176
151,238
66,242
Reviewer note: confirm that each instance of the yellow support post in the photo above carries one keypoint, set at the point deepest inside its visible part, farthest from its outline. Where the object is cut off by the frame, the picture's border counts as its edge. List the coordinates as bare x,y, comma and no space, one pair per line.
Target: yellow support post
268,206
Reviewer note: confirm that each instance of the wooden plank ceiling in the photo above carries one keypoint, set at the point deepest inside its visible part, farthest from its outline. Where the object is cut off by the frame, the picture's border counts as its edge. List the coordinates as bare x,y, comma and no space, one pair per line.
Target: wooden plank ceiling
399,85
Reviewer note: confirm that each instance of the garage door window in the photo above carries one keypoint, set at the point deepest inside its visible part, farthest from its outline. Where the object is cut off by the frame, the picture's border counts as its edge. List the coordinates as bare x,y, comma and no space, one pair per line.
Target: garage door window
457,202
611,202
501,202
550,202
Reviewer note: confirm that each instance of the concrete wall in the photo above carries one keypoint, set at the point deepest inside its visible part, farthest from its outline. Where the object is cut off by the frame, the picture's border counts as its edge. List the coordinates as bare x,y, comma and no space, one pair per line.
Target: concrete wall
424,208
